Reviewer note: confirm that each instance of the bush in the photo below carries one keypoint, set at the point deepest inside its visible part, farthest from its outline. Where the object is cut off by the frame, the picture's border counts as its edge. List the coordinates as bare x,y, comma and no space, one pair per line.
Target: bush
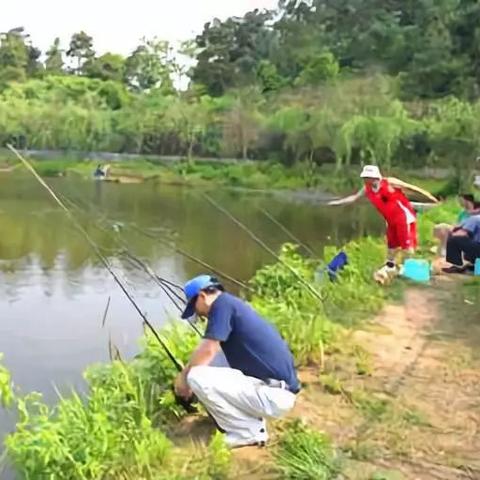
304,320
444,213
114,430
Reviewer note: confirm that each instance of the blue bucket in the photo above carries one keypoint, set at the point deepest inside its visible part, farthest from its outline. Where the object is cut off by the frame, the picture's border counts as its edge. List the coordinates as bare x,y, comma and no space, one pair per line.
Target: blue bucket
416,270
476,272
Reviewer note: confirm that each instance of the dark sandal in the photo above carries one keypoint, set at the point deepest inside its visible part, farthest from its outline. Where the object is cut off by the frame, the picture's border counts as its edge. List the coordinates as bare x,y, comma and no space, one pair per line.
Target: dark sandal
454,269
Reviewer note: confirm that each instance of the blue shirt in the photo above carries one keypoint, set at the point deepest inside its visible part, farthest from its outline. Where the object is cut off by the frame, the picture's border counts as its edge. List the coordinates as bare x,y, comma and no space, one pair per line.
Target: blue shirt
472,226
250,344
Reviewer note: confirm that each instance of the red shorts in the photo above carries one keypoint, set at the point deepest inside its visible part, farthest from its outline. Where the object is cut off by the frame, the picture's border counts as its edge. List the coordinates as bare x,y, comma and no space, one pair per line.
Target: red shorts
401,234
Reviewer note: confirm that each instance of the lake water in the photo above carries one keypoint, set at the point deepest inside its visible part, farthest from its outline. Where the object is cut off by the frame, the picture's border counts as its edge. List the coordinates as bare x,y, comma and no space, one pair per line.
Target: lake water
53,290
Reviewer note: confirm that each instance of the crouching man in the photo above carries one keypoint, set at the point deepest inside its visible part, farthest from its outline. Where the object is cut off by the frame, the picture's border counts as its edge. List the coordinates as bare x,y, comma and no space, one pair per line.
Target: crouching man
261,381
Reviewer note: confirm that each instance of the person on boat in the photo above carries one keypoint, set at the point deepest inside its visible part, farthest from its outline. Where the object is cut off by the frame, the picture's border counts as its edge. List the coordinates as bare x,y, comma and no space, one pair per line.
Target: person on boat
101,172
260,381
395,208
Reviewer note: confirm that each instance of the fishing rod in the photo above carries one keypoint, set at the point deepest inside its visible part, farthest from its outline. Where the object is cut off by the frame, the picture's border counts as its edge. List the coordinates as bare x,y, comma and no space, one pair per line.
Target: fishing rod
167,286
147,269
260,242
194,259
287,232
99,254
179,251
176,299
169,292
125,251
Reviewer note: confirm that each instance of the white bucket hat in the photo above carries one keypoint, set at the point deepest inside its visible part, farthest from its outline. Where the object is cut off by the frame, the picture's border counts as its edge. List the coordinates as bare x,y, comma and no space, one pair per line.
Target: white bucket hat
371,171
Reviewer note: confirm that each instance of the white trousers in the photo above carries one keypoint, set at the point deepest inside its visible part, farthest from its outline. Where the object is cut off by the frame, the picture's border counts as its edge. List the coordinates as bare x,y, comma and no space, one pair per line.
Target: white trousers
239,404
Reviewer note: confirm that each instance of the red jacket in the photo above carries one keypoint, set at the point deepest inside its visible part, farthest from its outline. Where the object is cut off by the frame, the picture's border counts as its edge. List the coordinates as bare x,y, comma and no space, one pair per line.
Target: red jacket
389,200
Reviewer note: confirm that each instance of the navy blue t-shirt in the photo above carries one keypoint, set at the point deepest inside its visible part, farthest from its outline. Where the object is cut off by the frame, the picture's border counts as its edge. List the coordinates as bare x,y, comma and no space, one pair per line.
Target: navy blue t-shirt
250,344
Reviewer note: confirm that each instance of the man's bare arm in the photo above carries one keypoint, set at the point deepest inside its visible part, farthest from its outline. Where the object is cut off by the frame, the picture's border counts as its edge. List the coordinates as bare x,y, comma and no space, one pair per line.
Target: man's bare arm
203,355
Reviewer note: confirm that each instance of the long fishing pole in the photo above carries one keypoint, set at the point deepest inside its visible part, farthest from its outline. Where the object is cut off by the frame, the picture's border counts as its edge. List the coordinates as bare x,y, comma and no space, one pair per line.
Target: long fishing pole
169,292
178,251
166,286
99,254
260,242
195,259
125,250
288,232
148,270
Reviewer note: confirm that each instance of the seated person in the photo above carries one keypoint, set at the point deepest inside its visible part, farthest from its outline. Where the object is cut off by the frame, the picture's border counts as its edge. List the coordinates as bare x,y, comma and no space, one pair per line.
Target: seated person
443,230
463,246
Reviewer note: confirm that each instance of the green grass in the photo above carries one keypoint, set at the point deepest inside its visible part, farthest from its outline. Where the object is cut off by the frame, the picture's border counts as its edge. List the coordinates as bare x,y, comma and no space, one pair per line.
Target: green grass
6,391
305,454
332,384
118,429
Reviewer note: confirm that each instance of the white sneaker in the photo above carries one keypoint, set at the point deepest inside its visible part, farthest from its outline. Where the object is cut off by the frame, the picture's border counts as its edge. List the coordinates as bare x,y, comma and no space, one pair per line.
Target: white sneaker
233,440
385,274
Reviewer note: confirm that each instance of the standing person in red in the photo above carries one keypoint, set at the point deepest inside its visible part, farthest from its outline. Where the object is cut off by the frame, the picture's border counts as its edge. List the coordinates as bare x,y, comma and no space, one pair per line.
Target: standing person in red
395,208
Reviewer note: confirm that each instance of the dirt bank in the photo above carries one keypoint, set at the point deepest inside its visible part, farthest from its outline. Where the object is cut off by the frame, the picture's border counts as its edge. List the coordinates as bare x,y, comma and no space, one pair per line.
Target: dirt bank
400,397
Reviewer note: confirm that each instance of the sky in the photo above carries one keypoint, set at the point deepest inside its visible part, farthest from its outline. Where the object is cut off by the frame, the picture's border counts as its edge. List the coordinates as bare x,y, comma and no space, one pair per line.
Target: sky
118,26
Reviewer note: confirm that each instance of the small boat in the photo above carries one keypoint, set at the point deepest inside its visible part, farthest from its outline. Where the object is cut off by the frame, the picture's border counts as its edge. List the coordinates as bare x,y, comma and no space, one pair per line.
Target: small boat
124,179
7,168
107,174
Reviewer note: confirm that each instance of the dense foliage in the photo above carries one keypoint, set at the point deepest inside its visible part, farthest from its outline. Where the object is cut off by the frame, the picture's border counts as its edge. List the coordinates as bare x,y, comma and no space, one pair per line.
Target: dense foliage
118,431
308,323
314,81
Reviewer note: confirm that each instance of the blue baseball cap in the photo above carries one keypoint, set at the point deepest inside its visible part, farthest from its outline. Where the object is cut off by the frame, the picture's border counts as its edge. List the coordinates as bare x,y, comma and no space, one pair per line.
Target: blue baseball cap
193,287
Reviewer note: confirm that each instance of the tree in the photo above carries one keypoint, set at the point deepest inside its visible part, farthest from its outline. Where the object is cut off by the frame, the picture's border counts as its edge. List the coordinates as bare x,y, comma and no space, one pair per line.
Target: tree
376,137
190,119
14,56
453,127
230,52
435,69
242,122
291,122
81,50
54,60
108,66
319,69
150,66
268,77
18,57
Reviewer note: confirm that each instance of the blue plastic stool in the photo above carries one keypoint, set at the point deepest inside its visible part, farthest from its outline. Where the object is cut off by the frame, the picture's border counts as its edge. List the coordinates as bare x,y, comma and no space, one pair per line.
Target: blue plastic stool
416,270
476,272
